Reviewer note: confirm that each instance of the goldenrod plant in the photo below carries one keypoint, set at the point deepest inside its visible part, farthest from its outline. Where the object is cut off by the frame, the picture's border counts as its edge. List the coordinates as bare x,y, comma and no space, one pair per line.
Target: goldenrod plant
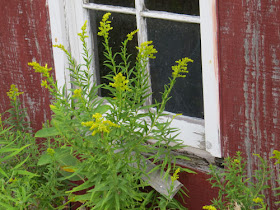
236,189
276,155
102,141
17,116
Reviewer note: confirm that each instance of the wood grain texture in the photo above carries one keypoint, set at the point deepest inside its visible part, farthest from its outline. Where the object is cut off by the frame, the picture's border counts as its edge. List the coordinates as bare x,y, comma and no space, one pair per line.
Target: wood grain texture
25,37
249,56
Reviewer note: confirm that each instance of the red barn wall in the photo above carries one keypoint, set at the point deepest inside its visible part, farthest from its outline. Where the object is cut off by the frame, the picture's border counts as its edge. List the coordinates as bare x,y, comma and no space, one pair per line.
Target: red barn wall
249,58
25,36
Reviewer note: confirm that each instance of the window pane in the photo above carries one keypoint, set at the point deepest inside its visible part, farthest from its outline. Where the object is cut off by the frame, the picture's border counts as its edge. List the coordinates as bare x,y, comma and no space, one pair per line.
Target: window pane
123,3
190,7
122,25
175,40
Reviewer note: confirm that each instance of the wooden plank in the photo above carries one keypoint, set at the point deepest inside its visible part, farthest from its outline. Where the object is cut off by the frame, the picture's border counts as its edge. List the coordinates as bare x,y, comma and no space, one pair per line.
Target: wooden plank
156,180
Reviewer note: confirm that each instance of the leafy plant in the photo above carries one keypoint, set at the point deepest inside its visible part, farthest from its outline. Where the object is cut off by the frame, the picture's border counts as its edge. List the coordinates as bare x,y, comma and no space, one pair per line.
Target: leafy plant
276,155
24,184
236,189
101,141
17,115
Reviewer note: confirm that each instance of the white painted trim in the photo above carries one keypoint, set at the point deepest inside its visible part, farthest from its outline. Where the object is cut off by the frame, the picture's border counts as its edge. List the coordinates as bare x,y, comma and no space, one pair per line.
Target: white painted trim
57,22
108,8
66,20
171,16
210,76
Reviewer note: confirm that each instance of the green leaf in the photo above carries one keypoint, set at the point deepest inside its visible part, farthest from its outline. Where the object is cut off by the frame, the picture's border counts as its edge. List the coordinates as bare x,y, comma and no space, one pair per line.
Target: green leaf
102,109
64,157
47,132
3,173
83,186
21,163
182,157
27,173
44,159
7,206
188,170
14,153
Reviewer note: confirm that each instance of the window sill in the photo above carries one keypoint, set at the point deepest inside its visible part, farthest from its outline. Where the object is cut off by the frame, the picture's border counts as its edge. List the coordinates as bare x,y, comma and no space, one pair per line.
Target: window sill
199,159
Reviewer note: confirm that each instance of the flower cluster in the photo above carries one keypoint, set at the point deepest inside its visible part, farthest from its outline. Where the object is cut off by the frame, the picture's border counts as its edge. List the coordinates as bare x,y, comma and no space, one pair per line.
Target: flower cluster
41,69
50,151
99,125
131,35
146,50
105,26
181,67
77,93
13,92
258,200
83,35
120,82
209,207
175,176
61,47
276,154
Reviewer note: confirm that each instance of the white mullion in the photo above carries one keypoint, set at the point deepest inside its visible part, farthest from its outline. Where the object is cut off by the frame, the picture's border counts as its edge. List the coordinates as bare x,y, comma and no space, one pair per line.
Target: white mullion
142,34
108,8
171,16
210,76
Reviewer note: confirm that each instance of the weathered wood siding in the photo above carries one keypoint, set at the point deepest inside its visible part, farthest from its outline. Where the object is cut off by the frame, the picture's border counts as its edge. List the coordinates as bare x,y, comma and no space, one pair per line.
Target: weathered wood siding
24,37
249,58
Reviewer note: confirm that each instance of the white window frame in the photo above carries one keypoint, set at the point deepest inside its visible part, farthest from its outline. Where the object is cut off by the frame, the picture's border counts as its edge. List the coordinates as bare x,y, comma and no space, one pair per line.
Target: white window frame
67,17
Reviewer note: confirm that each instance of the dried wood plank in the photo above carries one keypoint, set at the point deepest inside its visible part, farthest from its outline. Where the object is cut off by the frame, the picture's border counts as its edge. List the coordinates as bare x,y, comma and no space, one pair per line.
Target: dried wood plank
156,180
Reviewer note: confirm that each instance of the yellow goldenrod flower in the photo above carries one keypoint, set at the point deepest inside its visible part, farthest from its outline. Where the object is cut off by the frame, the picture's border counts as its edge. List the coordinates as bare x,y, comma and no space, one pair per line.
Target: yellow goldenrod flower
98,117
236,161
175,176
13,92
181,67
276,154
44,84
209,207
258,200
99,125
83,35
146,50
131,35
60,46
41,69
77,93
50,151
105,26
120,82
52,107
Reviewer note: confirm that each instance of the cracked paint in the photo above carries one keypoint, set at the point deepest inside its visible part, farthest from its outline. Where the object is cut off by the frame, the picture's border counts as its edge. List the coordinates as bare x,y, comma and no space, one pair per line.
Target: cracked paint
249,56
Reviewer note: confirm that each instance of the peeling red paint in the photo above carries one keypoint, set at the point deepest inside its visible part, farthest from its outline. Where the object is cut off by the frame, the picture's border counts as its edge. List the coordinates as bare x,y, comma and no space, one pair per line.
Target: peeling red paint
25,36
249,56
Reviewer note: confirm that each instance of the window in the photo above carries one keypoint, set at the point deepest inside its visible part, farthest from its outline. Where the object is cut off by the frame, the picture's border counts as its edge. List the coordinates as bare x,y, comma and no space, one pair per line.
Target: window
179,29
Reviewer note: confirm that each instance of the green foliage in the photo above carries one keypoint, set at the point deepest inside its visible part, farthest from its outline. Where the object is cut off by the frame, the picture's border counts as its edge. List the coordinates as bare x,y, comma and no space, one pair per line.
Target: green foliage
99,141
17,115
236,189
276,155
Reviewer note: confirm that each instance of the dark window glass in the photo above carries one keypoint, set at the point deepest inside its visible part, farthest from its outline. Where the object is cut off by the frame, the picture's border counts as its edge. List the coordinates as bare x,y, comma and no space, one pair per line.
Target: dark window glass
123,3
122,25
175,40
190,7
